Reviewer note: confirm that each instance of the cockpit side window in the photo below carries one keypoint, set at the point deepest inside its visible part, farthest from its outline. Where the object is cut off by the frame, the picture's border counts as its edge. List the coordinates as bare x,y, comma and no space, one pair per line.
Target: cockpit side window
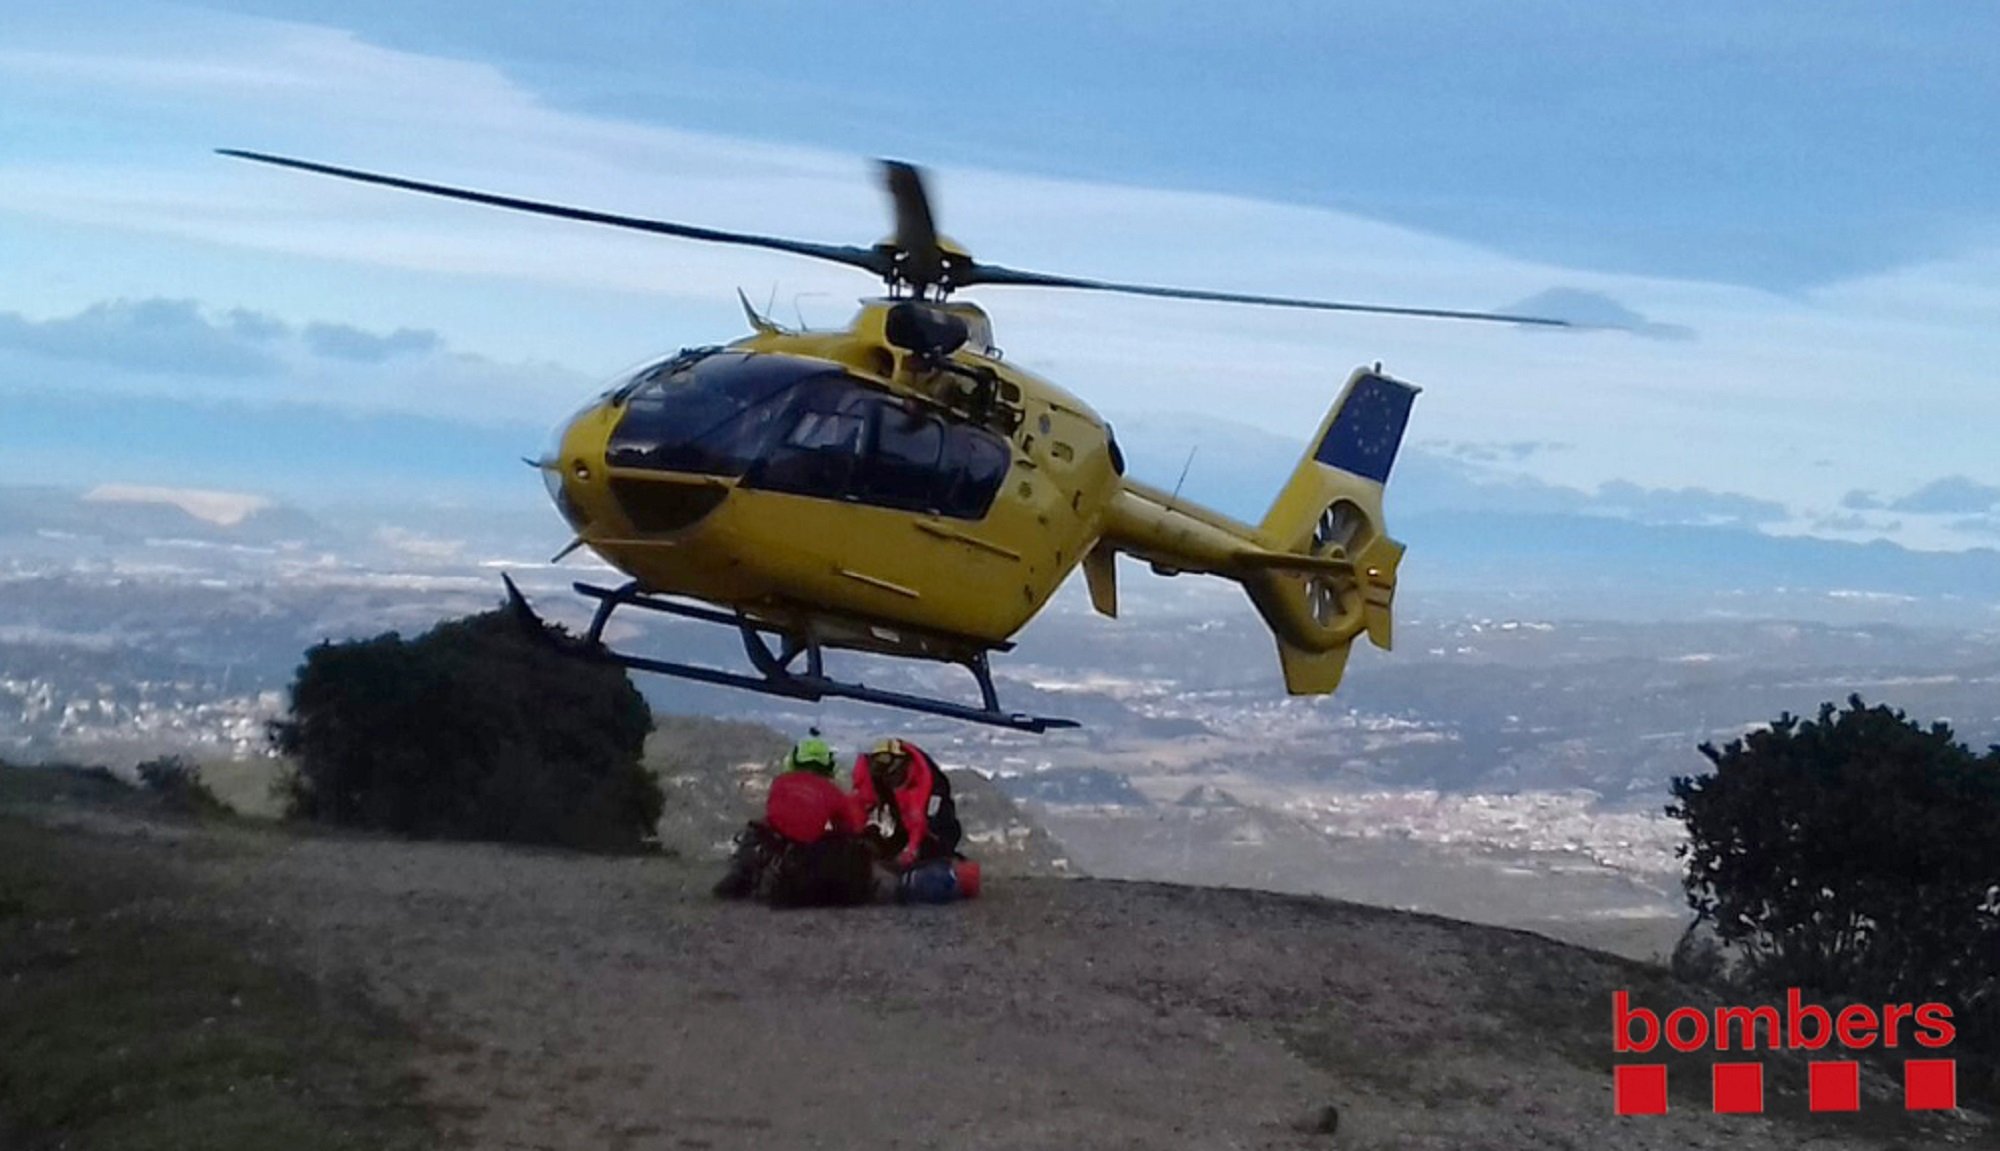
828,431
818,455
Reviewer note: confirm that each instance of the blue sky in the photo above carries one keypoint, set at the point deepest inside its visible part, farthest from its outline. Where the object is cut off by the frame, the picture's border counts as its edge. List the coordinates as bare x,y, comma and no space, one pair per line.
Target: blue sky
1796,201
1778,147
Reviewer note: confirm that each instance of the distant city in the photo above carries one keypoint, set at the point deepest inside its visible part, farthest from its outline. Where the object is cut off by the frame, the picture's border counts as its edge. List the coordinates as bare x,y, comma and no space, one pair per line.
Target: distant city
1509,766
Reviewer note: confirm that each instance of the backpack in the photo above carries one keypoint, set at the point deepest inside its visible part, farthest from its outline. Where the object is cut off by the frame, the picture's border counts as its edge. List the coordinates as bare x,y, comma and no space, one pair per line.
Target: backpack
942,814
837,871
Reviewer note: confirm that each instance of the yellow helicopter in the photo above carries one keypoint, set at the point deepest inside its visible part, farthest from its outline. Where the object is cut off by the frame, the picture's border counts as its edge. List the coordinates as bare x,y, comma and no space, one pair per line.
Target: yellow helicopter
897,488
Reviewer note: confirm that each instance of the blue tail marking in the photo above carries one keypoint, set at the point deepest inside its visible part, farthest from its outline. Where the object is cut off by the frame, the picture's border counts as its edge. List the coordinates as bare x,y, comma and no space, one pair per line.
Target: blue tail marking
1369,428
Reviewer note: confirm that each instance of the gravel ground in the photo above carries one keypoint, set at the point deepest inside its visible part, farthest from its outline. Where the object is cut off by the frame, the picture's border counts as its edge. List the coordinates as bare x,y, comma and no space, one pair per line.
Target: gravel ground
562,1001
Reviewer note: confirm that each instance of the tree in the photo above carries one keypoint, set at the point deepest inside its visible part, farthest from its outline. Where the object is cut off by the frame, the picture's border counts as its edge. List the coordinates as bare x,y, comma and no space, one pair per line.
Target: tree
1854,854
476,729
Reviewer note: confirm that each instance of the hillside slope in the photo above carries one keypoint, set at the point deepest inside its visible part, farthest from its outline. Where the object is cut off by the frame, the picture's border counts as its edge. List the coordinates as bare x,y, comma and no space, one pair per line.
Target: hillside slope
563,1001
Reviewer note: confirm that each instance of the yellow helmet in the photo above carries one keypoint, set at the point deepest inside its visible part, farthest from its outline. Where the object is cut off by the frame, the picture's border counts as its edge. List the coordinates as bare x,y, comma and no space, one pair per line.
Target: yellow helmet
892,759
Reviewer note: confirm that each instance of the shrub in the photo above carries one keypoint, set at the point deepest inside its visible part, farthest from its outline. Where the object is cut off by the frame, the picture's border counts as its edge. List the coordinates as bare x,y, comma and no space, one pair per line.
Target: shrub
178,784
476,729
1854,854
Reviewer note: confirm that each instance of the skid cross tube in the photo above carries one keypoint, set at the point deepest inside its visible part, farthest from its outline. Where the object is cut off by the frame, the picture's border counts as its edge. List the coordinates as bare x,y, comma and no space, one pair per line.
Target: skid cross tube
776,674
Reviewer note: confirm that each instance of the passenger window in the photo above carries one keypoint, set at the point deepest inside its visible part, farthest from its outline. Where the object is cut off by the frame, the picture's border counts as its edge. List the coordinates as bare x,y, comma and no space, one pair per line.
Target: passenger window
851,442
902,471
975,463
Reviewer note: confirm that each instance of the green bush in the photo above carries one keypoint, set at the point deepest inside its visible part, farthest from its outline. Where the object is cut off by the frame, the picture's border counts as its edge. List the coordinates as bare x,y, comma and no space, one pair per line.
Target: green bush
1854,854
476,729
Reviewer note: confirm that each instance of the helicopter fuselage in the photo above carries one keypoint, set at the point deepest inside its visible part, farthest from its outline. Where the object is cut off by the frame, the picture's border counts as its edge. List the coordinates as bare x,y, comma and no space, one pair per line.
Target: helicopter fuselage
835,484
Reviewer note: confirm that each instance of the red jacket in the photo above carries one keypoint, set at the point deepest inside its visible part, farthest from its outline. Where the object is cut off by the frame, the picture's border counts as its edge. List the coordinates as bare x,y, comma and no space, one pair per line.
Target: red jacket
912,798
803,806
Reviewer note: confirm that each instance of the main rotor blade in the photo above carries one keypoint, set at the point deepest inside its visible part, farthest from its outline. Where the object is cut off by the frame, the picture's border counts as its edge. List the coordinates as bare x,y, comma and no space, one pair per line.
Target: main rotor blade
867,259
916,230
995,274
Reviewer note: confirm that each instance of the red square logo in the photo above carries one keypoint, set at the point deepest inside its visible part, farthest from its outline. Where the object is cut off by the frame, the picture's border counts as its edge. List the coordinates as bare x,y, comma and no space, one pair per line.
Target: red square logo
1930,1084
1640,1089
1739,1088
1834,1086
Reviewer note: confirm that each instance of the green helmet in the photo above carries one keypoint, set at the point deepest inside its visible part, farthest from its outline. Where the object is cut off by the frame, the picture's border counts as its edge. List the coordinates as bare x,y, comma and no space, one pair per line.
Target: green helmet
812,754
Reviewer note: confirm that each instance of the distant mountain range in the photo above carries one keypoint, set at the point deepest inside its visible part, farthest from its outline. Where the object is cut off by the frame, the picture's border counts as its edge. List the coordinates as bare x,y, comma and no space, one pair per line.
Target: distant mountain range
1657,570
134,514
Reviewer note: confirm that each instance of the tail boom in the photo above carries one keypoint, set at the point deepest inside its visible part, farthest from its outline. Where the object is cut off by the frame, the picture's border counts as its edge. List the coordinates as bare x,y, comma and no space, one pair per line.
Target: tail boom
1319,568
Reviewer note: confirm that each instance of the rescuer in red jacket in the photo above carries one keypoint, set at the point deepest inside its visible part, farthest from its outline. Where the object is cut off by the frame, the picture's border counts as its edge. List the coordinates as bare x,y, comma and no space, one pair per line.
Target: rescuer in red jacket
809,838
898,773
805,804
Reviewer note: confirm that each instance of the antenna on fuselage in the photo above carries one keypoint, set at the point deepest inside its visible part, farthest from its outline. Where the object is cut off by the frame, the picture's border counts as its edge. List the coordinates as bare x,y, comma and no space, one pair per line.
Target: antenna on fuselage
758,323
1175,498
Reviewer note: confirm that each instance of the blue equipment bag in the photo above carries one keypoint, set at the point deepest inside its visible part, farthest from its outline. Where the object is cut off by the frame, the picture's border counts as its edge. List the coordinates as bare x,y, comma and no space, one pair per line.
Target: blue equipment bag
932,881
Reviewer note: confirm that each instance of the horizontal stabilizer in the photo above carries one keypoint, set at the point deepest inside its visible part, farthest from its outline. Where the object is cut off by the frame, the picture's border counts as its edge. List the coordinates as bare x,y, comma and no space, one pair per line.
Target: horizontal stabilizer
1291,561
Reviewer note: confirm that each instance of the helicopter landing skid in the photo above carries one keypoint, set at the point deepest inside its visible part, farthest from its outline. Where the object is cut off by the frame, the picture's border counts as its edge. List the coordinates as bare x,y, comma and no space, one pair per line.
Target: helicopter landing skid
775,669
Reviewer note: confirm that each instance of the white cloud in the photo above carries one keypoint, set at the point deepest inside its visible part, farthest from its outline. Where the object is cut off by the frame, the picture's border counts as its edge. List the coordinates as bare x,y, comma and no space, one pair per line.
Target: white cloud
175,347
1888,376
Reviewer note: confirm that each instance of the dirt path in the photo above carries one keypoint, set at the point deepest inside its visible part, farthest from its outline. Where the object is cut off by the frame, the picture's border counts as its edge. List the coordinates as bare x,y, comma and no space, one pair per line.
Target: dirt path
571,1002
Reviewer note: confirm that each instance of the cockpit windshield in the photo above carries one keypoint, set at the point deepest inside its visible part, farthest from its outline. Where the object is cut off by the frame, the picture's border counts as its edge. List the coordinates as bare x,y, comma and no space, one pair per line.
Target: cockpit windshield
714,414
788,424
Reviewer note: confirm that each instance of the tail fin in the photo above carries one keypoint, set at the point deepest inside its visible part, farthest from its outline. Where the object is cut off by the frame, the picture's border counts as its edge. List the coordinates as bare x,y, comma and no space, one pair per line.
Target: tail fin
1331,510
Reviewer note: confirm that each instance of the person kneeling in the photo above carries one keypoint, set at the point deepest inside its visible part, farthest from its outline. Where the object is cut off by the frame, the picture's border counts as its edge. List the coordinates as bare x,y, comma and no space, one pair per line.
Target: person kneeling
899,778
808,850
